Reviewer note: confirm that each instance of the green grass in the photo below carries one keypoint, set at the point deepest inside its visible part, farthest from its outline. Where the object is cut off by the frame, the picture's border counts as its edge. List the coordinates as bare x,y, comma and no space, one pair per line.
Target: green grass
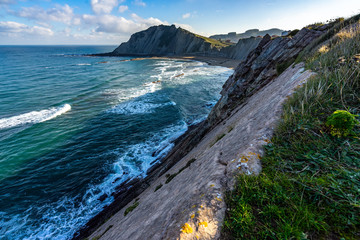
98,237
310,184
170,177
218,138
215,43
158,187
131,208
281,67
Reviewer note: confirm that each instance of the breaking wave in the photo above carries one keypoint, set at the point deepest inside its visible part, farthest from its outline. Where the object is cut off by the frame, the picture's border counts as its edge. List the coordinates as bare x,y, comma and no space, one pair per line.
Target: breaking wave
34,117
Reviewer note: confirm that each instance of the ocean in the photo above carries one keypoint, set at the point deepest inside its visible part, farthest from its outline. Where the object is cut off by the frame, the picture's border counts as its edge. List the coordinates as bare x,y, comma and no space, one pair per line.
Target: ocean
74,127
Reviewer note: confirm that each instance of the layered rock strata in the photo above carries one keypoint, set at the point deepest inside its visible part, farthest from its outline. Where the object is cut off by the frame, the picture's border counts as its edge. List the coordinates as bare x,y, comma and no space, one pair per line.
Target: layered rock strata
171,41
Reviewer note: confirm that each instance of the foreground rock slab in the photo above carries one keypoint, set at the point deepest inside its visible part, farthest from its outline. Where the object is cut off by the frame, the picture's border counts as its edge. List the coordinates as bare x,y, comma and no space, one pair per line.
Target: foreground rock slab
187,202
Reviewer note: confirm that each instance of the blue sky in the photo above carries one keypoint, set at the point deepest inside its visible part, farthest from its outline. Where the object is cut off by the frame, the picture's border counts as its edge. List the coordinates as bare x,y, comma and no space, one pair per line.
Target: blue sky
113,21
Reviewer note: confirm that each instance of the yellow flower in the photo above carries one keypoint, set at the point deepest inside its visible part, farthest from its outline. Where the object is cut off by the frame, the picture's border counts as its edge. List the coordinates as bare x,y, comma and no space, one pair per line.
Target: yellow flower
186,228
205,224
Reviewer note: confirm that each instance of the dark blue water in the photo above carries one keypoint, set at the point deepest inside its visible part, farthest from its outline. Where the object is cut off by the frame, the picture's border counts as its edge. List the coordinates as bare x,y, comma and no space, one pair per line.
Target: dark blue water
70,125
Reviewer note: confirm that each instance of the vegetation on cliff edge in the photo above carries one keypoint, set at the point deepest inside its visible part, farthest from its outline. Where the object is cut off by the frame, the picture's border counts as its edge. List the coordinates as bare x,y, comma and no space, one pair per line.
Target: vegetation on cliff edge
310,184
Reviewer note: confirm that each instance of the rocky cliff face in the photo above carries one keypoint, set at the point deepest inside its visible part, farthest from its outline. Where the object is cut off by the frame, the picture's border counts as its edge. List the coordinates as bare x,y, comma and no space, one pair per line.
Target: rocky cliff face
255,72
166,41
260,68
171,41
242,49
235,37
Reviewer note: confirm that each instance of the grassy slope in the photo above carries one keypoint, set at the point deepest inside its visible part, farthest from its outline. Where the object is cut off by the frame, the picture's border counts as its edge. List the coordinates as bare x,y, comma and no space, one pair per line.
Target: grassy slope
214,43
310,184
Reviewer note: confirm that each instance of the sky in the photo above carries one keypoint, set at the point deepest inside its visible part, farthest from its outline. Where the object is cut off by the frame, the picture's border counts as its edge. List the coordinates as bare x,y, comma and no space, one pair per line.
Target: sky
110,22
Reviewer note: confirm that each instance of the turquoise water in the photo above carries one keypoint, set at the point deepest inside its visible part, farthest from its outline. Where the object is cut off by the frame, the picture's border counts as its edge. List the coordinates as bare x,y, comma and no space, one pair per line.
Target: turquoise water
71,125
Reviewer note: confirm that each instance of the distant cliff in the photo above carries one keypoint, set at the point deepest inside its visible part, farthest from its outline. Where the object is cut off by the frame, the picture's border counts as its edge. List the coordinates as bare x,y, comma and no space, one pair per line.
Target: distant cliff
235,37
169,40
172,41
242,49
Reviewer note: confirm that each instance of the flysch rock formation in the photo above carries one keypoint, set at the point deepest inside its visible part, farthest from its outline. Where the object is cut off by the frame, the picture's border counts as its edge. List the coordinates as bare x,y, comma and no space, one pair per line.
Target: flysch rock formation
172,41
191,205
243,47
192,179
165,41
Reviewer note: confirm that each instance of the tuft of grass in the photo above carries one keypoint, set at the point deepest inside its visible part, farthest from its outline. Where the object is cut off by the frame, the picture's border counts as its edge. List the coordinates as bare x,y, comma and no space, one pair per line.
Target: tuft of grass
98,237
131,208
158,187
293,32
218,138
334,27
310,184
170,177
281,67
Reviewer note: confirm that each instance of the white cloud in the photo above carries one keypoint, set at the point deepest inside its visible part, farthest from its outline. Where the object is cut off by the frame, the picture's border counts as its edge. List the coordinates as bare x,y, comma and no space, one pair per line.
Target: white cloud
5,2
114,24
123,8
186,27
103,6
19,28
186,15
58,14
147,22
139,3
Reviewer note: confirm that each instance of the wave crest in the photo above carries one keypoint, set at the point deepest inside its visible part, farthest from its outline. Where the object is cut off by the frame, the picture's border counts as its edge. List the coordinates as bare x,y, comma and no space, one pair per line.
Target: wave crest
34,117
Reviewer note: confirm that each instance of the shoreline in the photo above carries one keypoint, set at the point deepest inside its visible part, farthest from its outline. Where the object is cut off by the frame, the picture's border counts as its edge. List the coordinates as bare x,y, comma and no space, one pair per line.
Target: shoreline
212,61
132,188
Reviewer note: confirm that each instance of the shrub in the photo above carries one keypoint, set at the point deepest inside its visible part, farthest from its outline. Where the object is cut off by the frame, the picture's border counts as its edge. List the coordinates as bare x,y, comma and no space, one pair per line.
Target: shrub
341,123
293,32
281,67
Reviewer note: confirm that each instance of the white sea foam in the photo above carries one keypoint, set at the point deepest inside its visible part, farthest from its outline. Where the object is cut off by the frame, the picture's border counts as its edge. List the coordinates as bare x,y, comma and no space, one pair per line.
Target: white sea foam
83,64
122,95
59,224
138,107
34,117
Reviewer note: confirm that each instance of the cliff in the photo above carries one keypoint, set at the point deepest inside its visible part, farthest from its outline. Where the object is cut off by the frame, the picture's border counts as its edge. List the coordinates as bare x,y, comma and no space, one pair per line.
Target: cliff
167,41
235,37
171,41
242,49
259,68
